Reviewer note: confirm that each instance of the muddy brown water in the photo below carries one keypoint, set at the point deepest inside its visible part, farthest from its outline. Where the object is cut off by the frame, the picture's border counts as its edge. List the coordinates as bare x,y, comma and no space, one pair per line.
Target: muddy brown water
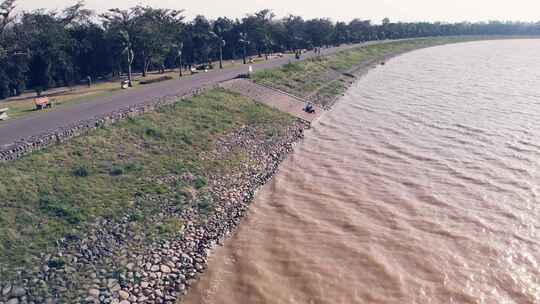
420,186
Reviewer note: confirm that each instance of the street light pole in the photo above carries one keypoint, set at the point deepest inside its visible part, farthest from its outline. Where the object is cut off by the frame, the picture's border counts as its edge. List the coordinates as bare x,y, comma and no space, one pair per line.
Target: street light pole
179,54
221,45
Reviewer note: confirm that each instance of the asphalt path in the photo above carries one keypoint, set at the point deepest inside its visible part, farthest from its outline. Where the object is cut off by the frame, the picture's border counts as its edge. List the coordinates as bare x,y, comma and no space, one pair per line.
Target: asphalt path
36,124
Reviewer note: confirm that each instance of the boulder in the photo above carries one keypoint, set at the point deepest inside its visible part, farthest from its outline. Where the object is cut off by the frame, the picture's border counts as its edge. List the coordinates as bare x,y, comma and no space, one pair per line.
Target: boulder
18,291
165,269
6,290
93,293
123,295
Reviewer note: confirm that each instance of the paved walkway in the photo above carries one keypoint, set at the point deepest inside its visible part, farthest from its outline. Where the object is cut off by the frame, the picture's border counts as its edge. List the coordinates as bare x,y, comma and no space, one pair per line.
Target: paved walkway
34,125
273,98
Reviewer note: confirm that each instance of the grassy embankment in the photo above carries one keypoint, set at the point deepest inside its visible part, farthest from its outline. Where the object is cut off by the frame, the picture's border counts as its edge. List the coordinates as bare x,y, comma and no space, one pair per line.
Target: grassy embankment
321,79
21,106
57,192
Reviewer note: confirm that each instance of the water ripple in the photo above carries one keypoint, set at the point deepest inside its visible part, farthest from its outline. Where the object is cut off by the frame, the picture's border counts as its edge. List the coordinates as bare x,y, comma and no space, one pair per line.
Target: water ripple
421,186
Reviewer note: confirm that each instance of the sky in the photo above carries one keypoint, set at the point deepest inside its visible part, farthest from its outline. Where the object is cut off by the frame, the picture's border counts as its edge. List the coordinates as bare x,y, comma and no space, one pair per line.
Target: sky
342,10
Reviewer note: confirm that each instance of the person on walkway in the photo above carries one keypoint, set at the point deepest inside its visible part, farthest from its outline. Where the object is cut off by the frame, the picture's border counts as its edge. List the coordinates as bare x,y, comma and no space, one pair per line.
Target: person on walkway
309,108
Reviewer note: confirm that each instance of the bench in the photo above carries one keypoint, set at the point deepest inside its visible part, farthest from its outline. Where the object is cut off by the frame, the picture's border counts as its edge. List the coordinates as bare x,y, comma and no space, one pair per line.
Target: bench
3,113
42,103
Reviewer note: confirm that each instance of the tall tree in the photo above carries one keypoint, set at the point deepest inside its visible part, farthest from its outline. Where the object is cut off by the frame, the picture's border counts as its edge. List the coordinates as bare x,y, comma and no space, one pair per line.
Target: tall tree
223,27
227,30
361,30
203,38
341,33
319,31
49,45
6,13
121,24
294,26
257,27
13,56
244,41
156,34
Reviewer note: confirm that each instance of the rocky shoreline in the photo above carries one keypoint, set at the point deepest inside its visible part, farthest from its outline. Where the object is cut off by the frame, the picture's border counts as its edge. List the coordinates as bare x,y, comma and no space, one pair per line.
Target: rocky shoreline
116,264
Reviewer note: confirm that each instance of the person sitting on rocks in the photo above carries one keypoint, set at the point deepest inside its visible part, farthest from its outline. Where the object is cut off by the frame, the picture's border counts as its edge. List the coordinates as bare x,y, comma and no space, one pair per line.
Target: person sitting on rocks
309,108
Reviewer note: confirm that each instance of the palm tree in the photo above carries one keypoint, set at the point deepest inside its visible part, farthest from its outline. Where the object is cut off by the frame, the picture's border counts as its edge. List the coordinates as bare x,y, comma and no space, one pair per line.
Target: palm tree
220,43
123,22
128,50
245,42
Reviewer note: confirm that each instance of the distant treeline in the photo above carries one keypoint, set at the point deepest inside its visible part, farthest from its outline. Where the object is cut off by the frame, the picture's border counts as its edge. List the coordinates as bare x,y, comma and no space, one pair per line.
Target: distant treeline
41,49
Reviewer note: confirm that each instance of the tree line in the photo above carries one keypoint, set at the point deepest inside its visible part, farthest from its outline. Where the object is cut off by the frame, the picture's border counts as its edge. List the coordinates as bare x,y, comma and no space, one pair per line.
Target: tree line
42,49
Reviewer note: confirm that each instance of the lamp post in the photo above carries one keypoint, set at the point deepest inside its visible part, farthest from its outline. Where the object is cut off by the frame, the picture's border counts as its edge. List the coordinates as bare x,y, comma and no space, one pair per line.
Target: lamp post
221,45
179,56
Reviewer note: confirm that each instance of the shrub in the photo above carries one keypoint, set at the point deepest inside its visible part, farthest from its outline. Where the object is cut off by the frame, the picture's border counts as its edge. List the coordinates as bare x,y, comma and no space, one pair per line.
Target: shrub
205,206
199,182
170,226
293,67
116,171
60,209
153,132
185,135
133,167
159,79
136,216
56,263
81,171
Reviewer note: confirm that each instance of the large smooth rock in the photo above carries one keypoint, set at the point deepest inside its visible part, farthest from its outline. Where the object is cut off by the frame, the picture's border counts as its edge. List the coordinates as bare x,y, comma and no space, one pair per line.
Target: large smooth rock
6,290
123,295
93,293
18,292
89,300
165,269
115,287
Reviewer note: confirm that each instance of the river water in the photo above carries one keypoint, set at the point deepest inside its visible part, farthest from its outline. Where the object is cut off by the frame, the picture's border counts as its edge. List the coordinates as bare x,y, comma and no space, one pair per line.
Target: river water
420,186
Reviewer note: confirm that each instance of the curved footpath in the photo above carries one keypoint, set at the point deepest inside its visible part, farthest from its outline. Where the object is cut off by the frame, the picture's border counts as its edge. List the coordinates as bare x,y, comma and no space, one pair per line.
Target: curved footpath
19,129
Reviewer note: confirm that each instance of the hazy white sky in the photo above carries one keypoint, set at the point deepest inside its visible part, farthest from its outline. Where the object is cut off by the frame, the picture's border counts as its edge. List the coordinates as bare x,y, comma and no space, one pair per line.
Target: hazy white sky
402,10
